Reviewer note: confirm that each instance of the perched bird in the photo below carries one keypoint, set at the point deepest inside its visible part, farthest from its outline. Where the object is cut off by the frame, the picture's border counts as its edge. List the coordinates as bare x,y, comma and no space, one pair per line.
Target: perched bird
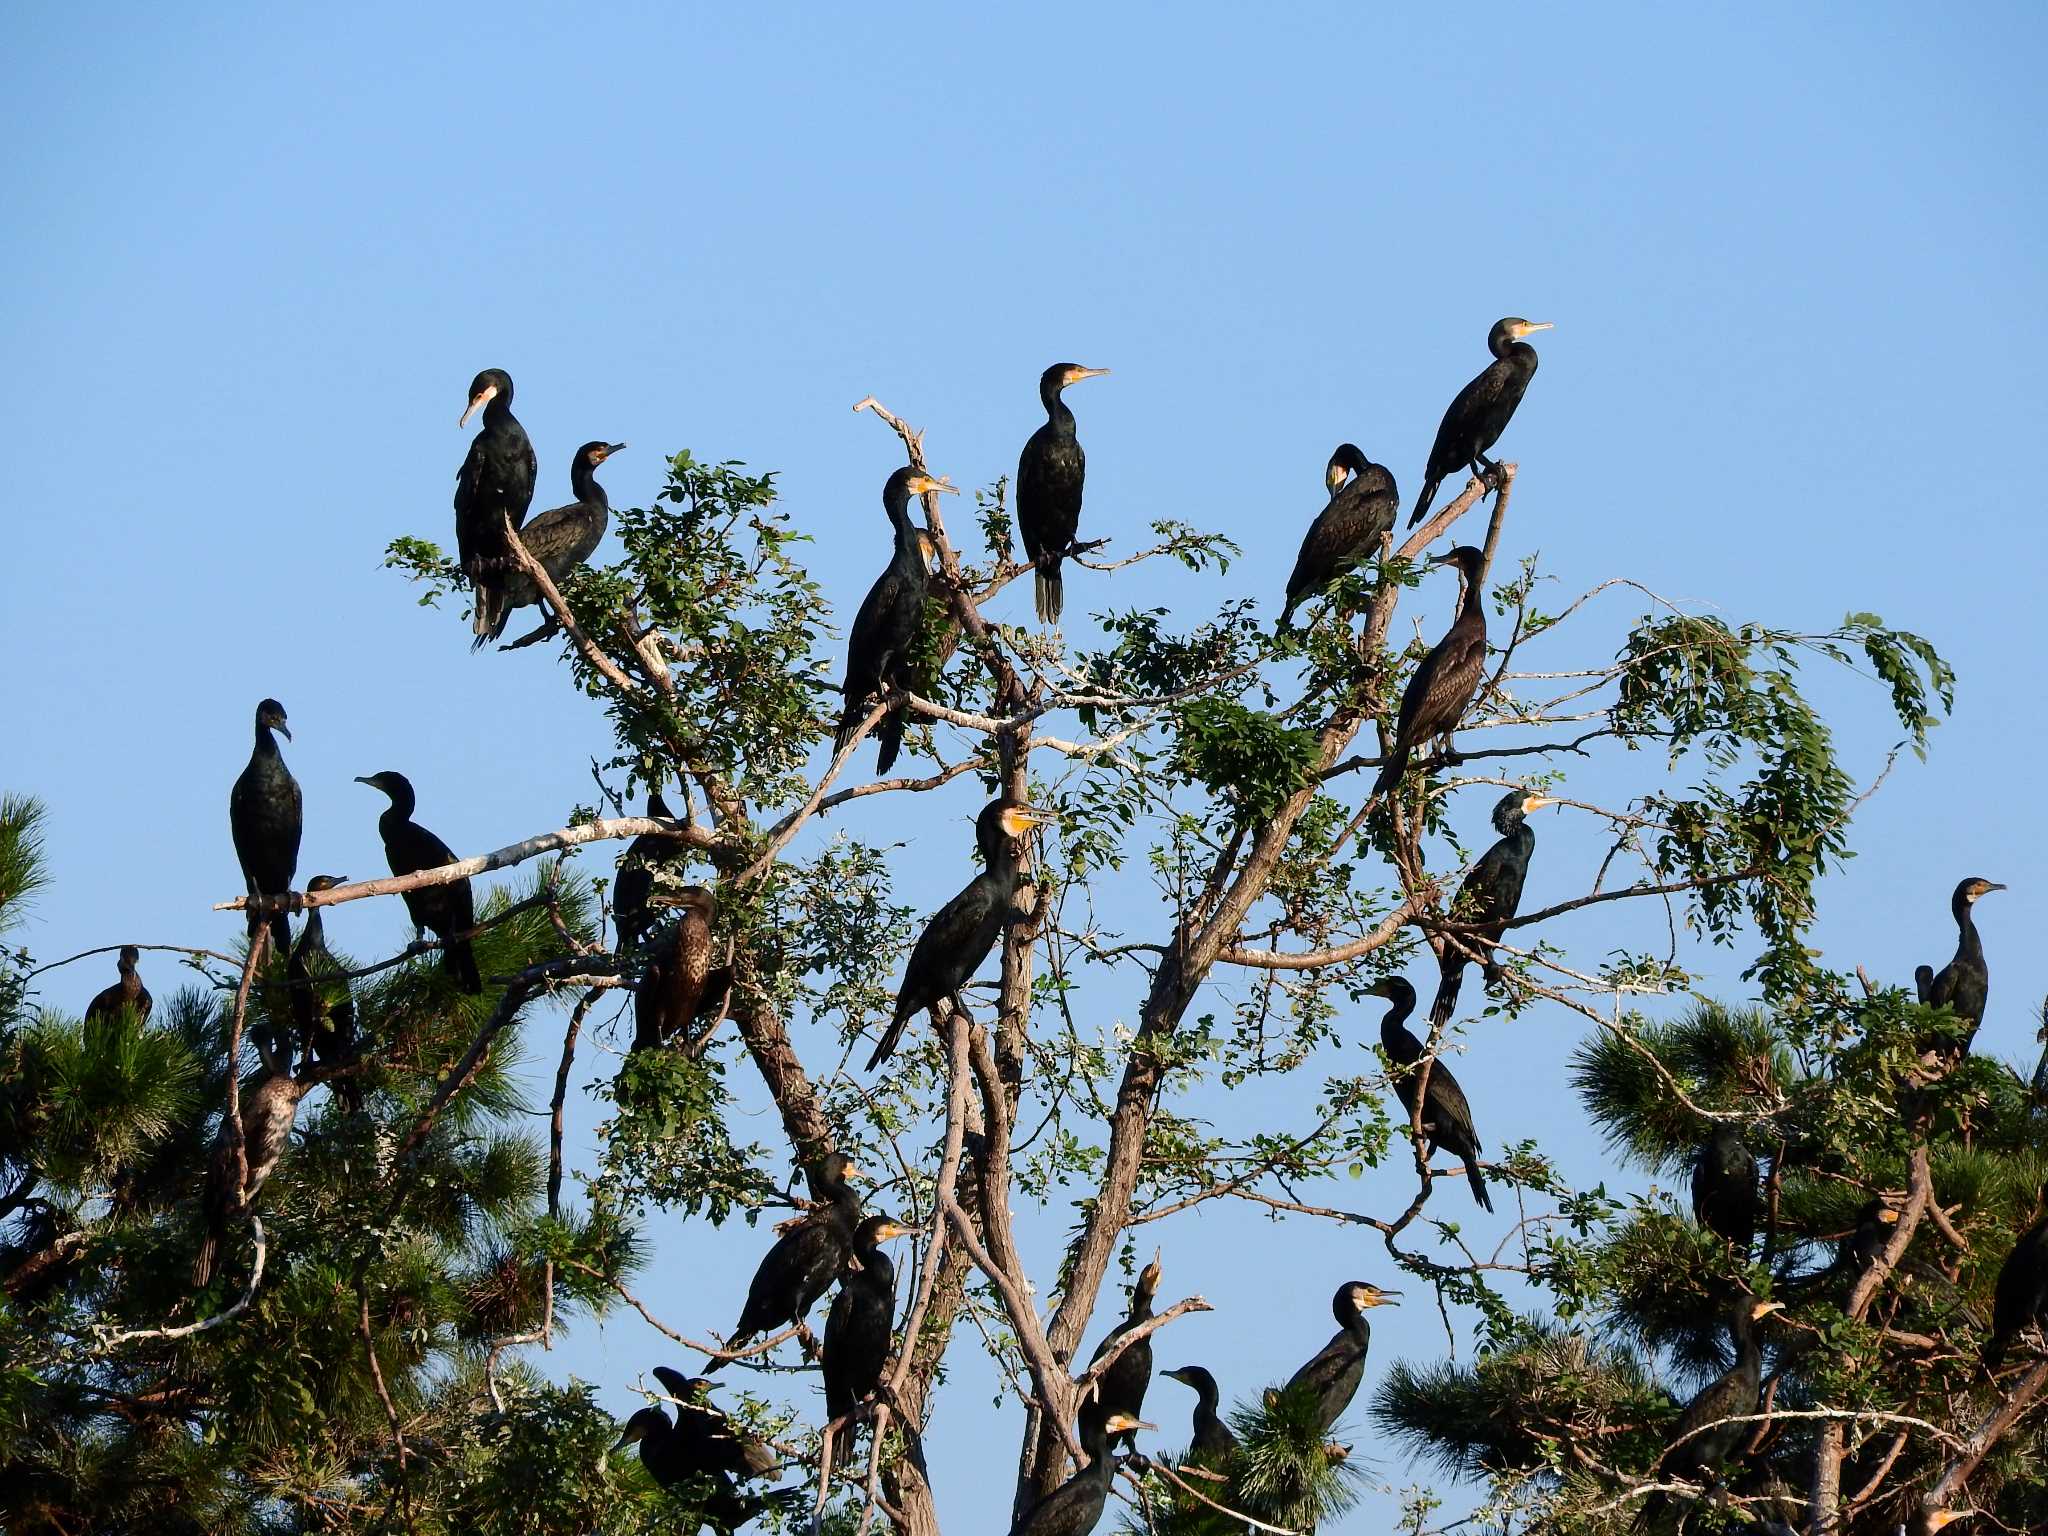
1695,1449
965,929
1480,413
1444,683
269,1106
881,651
495,483
266,813
1213,1442
560,538
1446,1112
128,992
1075,1507
2021,1297
805,1260
323,1009
1963,985
1860,1249
635,881
1121,1388
672,990
701,1453
1050,473
449,910
857,1327
1491,894
1362,508
1725,1199
1330,1379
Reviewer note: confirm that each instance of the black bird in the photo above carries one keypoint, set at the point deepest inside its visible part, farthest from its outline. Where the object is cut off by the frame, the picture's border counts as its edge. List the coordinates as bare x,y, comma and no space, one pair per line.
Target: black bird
495,483
1963,985
965,929
1347,532
128,992
268,1109
702,1453
560,538
635,881
857,1327
1491,894
266,814
1075,1507
2021,1297
1873,1230
1444,683
1446,1113
1213,1442
1050,473
881,651
672,990
1725,1199
323,1010
448,909
1693,1455
1482,410
1330,1379
805,1259
1121,1388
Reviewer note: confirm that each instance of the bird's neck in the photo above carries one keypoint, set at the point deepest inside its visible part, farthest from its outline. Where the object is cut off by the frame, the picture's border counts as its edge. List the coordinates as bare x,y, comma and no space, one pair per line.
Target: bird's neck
907,552
266,743
1057,415
498,412
314,932
583,482
1474,606
396,814
1967,942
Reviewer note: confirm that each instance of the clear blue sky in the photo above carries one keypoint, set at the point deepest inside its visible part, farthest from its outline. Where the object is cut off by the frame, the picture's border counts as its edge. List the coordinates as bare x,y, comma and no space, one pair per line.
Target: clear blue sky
254,255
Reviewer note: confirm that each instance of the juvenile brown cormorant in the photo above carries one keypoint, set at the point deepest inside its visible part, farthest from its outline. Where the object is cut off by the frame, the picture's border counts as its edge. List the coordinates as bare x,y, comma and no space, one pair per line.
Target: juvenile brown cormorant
881,651
1121,1388
1725,1199
561,538
495,482
635,881
1075,1507
857,1327
1050,473
702,1452
266,813
1347,532
446,909
1733,1393
1213,1443
672,989
1446,1113
323,1010
1491,894
963,931
128,992
1964,984
805,1260
1482,409
1330,1380
2021,1297
268,1109
1444,683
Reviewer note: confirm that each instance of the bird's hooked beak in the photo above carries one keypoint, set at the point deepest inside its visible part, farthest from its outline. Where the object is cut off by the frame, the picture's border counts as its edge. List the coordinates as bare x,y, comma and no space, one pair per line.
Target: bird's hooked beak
478,401
922,485
1373,1296
1076,375
891,1230
1335,476
369,780
1117,1423
1887,1215
599,455
286,732
1536,803
1019,819
1384,987
1764,1309
1530,327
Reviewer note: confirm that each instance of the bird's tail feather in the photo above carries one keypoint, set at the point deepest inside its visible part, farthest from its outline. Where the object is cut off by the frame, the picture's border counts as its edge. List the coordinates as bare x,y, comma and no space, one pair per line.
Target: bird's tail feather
1422,502
891,1038
1478,1184
1390,774
488,622
890,734
459,961
1448,983
1051,592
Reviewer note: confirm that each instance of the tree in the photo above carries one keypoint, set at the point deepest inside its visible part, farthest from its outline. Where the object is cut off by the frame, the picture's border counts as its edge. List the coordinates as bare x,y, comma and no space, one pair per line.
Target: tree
1213,759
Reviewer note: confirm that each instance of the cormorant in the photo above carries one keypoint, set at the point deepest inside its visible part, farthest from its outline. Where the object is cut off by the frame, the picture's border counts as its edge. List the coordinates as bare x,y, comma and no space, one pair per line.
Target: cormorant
1873,1230
1964,983
1482,409
448,909
1447,1113
268,1110
128,992
495,482
857,1327
1347,532
1075,1507
672,990
1444,683
266,813
1050,473
703,1452
881,651
2021,1297
1213,1442
962,932
1330,1379
805,1260
1491,894
1733,1393
635,880
1121,1388
323,1010
1725,1199
561,538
